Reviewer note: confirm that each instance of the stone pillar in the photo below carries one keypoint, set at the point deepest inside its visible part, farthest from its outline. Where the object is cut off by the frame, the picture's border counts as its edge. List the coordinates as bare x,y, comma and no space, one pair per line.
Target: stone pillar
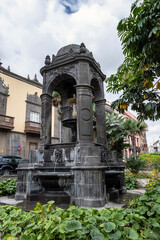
46,116
89,175
84,113
101,121
90,190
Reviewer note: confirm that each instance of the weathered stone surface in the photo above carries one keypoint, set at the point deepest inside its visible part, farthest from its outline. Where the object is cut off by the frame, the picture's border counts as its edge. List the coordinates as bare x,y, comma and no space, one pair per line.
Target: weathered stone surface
79,169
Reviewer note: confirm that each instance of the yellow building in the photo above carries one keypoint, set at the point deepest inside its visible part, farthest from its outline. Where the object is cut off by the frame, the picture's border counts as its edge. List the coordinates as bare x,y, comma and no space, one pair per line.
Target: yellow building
20,114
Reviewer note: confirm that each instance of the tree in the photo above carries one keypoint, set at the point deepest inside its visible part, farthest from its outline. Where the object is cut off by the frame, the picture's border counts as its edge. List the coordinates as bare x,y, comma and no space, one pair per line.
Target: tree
116,135
134,127
138,76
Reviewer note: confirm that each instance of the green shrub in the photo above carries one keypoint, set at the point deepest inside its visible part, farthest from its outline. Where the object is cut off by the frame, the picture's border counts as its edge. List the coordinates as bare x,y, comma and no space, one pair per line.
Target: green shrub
152,159
134,164
7,187
140,221
143,175
130,181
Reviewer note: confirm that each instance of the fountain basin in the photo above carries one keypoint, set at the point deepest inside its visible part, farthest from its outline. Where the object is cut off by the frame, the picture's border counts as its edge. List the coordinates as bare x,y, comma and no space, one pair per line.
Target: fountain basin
71,123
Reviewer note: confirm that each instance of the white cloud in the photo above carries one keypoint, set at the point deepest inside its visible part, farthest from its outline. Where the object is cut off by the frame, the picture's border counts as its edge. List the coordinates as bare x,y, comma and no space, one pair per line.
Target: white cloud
153,132
31,29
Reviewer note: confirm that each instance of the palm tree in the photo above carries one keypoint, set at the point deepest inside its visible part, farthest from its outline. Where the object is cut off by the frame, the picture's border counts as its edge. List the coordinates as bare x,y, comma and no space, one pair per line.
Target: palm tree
134,127
116,135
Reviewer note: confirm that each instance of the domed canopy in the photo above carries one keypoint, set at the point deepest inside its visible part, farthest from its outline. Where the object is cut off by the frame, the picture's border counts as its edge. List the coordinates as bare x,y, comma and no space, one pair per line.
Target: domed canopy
68,54
73,48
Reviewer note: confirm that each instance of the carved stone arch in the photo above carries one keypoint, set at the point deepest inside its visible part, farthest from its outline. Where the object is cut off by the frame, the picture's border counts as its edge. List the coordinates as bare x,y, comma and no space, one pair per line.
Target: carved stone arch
97,89
56,82
60,74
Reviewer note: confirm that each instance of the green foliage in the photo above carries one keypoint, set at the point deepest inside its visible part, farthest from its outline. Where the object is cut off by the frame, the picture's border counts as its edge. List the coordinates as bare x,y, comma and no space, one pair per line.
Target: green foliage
140,221
55,94
138,75
116,134
134,127
152,159
130,181
7,187
134,164
149,207
143,175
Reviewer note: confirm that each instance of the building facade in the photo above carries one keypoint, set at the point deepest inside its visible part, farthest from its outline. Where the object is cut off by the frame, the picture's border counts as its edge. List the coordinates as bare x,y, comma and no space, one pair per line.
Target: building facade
155,147
140,140
20,114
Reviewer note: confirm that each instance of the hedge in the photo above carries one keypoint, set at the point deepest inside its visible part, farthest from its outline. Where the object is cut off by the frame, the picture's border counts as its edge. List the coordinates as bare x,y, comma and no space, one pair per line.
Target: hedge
139,221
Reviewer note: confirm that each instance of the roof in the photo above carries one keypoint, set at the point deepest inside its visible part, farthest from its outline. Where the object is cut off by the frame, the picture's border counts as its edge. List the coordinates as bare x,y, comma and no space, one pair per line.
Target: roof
129,115
16,76
69,54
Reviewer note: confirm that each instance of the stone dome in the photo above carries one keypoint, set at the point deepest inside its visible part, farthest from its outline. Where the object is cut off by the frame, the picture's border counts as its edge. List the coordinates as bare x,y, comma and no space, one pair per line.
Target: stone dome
73,48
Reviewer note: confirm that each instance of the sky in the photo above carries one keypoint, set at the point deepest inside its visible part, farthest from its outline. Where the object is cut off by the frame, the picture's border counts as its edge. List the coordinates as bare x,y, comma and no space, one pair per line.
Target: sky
32,29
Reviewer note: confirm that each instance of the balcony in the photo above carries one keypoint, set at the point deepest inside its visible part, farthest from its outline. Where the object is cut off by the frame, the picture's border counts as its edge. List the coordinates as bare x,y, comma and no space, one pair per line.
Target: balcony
6,122
32,127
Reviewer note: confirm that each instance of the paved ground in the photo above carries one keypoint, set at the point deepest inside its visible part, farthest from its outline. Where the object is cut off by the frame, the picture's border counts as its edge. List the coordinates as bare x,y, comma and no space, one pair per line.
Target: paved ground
118,203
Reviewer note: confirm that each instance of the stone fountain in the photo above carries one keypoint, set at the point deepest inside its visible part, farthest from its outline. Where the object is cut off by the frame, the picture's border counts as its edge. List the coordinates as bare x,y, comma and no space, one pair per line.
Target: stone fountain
81,170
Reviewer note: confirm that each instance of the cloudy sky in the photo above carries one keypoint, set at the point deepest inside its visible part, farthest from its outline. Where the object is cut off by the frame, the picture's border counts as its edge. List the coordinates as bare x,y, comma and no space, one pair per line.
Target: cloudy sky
32,29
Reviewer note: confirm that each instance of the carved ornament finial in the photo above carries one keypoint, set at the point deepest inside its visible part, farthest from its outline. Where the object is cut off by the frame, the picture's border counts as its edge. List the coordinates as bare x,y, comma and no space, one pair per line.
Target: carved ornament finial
35,78
47,60
53,56
82,48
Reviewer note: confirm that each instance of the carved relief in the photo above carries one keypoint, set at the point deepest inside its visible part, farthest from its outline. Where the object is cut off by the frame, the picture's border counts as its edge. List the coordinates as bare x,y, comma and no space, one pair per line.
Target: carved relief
106,156
3,88
58,156
3,97
34,98
93,73
61,70
86,114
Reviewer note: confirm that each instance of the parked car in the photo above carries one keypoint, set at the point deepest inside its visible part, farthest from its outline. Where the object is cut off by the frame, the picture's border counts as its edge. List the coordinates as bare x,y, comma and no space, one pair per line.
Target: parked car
8,164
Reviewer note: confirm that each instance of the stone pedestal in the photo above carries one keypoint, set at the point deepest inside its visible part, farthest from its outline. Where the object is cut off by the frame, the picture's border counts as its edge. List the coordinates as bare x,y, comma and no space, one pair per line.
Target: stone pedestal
89,185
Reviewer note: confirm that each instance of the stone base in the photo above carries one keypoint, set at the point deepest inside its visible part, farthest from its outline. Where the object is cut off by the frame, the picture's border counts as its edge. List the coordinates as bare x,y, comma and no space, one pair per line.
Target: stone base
59,197
20,196
86,202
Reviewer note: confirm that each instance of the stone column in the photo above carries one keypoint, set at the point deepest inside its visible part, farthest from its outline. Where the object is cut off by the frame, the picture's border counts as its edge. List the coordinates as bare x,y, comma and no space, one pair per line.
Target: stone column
101,121
46,117
89,175
84,113
89,186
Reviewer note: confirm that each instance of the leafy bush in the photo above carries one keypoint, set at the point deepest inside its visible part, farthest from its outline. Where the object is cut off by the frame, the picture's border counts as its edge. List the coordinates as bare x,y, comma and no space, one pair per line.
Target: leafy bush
152,159
143,175
130,181
134,164
140,221
148,206
116,134
7,187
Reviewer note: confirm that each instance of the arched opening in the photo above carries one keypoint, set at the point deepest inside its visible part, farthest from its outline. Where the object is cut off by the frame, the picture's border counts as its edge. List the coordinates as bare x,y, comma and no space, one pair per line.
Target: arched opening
97,93
63,87
98,112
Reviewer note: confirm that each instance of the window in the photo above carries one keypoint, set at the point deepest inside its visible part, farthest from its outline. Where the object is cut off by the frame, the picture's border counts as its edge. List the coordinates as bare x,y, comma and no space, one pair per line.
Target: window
34,117
17,159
